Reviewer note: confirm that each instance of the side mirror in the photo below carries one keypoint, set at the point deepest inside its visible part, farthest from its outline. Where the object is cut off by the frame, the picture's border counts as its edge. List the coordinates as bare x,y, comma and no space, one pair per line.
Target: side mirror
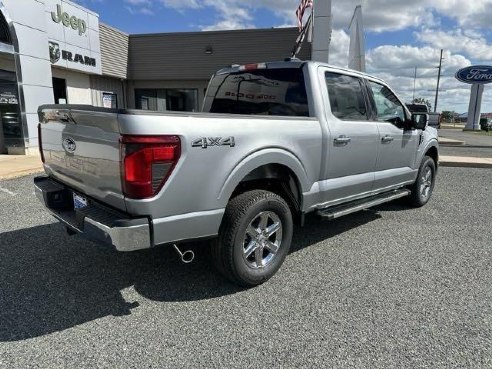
420,120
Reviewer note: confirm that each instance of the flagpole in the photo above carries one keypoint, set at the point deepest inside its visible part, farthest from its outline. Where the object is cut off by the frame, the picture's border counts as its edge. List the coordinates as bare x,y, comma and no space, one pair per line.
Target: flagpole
300,39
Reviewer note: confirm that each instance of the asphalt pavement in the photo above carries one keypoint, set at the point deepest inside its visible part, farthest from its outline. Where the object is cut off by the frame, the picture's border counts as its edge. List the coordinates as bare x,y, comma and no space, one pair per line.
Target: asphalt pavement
387,288
466,151
470,138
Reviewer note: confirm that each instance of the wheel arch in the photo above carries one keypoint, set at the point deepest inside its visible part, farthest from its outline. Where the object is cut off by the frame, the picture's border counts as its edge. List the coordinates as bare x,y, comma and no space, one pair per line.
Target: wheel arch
433,153
268,170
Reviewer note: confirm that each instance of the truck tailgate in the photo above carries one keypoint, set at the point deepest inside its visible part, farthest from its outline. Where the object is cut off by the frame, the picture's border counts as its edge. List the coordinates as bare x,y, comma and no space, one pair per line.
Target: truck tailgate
80,145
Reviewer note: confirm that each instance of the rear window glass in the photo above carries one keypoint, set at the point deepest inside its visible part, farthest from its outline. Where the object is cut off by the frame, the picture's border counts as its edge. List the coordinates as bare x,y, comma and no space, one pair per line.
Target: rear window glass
259,92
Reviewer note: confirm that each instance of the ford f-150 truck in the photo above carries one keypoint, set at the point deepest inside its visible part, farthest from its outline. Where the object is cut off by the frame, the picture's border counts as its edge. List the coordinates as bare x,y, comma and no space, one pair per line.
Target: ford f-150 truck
274,142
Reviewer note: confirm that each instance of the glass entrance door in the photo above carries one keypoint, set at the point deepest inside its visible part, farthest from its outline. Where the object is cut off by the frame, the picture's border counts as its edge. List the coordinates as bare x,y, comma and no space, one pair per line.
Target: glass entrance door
60,90
11,123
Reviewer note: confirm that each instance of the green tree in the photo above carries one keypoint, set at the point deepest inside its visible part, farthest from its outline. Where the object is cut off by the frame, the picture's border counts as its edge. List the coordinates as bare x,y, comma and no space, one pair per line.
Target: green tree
421,100
448,116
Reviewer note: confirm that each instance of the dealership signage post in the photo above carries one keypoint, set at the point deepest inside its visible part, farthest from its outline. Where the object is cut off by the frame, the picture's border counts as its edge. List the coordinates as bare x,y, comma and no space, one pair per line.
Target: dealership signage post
321,31
73,34
477,76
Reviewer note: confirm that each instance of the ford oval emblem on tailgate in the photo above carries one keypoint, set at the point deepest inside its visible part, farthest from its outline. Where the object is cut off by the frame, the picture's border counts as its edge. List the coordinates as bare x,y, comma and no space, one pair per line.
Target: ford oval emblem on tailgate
69,145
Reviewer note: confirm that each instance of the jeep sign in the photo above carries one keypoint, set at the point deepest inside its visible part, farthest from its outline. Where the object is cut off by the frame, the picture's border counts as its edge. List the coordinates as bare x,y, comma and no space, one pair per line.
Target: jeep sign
475,74
68,21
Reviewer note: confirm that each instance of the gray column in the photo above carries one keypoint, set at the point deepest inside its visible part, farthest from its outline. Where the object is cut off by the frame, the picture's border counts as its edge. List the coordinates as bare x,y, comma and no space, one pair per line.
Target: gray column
357,49
473,123
322,28
33,66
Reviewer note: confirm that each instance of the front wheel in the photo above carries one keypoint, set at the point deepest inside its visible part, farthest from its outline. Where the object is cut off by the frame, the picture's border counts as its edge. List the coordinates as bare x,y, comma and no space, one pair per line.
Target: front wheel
254,237
424,184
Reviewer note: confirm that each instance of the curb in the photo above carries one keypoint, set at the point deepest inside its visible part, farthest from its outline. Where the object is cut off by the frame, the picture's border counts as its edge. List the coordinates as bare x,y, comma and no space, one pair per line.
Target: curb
465,162
21,173
465,146
443,141
458,143
451,164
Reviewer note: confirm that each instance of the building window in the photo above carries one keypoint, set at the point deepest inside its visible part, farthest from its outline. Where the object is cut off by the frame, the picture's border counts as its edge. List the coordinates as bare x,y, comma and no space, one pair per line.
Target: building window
60,90
110,100
166,99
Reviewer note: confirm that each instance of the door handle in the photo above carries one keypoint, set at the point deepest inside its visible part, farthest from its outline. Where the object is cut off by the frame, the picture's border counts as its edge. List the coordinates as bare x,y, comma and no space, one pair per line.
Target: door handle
387,139
342,140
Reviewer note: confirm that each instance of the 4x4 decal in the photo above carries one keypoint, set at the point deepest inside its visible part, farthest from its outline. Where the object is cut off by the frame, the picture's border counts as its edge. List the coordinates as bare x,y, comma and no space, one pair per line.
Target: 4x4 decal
205,142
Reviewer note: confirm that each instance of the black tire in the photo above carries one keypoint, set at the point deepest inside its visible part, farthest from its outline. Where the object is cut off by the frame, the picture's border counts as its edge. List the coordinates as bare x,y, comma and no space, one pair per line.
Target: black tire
424,184
236,238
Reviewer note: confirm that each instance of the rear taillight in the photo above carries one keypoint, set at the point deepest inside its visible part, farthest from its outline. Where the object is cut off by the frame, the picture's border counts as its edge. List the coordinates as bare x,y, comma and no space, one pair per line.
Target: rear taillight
40,145
146,163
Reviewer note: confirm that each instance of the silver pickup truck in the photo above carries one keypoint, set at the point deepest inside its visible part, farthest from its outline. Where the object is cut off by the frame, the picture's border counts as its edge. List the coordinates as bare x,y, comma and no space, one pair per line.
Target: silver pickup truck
275,141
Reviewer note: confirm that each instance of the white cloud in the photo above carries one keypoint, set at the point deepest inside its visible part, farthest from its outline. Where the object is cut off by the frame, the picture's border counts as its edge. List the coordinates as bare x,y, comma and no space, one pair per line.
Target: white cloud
339,48
139,2
182,4
471,43
396,65
144,7
397,14
227,24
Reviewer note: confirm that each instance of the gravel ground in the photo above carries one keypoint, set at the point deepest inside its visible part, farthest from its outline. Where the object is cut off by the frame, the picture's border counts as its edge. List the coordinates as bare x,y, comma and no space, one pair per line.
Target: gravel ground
389,288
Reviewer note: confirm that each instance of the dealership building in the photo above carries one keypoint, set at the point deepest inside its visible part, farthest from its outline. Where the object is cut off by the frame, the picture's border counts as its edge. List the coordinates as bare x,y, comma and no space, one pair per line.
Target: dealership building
55,51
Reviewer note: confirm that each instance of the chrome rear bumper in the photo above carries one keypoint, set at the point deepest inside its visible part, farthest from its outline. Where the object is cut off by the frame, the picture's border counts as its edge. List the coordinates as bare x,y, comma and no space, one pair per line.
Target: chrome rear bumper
95,222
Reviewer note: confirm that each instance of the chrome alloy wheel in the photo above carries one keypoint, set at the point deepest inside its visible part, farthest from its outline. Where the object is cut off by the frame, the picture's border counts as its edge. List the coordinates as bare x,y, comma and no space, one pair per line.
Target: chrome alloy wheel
262,240
426,183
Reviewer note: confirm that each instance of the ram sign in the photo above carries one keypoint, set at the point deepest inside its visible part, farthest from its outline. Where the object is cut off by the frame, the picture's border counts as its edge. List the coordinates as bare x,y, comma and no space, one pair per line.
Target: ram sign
73,34
475,74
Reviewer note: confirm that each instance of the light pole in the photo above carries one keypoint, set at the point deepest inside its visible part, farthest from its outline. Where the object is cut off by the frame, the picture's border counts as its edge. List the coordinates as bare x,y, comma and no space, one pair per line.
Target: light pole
414,79
438,80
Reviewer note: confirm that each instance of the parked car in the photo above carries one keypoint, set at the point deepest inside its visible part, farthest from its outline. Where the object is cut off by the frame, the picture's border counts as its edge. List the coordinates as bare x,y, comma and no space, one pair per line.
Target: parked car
417,108
486,124
434,118
275,141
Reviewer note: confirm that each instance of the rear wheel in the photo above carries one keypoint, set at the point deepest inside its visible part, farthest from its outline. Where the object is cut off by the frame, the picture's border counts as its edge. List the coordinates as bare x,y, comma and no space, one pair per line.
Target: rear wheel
424,185
254,237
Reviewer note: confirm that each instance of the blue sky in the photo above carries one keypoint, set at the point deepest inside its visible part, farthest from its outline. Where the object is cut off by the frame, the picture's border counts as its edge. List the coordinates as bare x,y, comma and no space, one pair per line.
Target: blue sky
399,34
163,19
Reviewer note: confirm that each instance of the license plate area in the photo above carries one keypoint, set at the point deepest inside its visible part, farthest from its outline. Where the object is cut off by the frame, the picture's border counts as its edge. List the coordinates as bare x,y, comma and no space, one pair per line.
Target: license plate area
79,201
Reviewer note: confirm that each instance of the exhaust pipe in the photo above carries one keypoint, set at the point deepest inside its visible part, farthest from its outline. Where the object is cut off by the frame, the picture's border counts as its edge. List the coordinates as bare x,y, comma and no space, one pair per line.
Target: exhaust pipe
187,256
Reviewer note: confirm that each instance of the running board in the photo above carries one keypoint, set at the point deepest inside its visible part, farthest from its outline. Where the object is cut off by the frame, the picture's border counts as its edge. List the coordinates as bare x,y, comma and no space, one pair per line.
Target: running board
357,205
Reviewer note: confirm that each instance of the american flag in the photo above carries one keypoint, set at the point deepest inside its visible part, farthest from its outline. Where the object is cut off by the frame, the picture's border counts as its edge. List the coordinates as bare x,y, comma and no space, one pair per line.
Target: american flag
300,11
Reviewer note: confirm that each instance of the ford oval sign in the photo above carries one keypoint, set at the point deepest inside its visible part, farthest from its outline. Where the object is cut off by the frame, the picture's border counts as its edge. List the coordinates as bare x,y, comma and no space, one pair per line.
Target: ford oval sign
69,145
475,74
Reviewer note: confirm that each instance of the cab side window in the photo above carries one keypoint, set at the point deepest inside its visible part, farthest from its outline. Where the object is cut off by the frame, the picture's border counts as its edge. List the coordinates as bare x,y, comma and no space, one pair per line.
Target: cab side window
387,106
346,95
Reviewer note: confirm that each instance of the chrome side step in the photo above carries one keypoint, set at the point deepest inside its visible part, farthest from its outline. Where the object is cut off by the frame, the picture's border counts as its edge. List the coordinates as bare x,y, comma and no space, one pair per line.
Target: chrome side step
357,205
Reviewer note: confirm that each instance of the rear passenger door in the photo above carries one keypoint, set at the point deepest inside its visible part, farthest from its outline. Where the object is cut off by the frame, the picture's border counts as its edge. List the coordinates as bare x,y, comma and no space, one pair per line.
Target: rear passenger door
397,144
353,140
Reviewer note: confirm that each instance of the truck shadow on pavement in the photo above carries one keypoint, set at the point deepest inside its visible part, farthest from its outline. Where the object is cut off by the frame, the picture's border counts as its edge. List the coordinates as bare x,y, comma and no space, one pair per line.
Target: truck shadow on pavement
50,282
